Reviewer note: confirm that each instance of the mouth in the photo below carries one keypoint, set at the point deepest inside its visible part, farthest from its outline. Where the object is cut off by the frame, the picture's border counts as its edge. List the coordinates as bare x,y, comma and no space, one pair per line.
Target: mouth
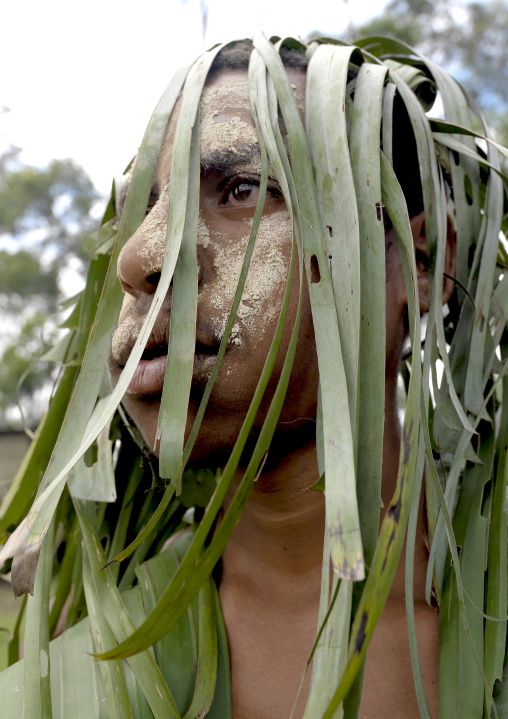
148,379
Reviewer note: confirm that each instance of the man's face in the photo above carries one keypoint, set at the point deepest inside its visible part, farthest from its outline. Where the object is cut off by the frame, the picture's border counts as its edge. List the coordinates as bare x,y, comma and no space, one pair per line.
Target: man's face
230,180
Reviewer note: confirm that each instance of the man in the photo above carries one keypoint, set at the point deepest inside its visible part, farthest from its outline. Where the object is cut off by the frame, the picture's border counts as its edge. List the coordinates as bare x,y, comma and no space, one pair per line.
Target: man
270,576
271,568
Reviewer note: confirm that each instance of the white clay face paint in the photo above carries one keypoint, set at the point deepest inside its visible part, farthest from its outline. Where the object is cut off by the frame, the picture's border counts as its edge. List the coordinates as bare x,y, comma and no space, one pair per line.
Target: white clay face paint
151,253
152,237
263,291
219,130
226,128
126,328
217,136
265,282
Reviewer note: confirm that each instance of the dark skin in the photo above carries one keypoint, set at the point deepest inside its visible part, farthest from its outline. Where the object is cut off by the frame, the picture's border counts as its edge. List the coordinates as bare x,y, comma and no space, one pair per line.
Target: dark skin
271,568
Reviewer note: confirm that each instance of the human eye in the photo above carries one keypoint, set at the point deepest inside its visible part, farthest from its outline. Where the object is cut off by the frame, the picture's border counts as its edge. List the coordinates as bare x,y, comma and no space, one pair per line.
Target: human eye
244,191
238,192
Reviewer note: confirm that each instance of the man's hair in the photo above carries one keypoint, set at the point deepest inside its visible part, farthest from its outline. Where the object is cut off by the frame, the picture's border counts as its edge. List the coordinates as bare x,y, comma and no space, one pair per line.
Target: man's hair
236,56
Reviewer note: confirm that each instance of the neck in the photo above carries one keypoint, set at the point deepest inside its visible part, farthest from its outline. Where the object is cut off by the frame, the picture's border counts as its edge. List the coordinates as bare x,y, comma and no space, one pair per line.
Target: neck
279,538
271,581
280,534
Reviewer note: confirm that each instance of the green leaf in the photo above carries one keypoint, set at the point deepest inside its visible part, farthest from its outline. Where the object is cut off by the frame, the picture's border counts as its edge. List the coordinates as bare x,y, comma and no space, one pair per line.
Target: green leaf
328,145
95,483
145,669
496,600
221,707
365,131
319,486
342,510
207,657
117,697
198,487
183,222
71,443
177,652
37,696
388,549
408,577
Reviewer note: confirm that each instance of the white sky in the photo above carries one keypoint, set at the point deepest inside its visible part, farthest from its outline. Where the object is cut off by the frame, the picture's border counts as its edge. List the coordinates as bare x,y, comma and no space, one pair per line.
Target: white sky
81,79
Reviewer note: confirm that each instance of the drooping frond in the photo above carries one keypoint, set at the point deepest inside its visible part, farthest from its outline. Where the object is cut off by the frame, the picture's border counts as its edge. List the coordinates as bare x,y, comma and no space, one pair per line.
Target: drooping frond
366,156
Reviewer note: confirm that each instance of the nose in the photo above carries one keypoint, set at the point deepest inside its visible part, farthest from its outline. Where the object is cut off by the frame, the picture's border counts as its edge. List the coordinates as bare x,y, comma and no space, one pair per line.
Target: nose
140,261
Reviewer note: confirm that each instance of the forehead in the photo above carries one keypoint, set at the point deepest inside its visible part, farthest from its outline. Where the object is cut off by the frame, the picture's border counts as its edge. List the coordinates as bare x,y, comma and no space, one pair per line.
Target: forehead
228,135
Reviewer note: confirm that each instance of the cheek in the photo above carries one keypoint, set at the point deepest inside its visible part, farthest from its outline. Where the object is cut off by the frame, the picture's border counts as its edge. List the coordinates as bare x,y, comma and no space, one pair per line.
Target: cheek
303,386
266,280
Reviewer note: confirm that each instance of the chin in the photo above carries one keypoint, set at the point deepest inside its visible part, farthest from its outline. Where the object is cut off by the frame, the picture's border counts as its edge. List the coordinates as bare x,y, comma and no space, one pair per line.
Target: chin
213,445
219,432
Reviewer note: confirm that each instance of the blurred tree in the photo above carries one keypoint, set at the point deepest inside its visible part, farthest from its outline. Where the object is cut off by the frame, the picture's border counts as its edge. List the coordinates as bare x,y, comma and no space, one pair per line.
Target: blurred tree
55,202
45,214
19,362
22,278
470,39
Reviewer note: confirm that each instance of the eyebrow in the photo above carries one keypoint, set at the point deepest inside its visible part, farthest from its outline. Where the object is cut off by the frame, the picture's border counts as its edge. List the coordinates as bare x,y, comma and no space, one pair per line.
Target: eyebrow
227,161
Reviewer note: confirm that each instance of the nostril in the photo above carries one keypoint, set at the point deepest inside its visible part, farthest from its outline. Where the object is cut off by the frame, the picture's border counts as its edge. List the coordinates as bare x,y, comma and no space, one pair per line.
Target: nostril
154,278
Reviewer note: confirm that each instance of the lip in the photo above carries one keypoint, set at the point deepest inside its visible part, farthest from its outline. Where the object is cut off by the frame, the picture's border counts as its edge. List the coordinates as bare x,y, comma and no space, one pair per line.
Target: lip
148,379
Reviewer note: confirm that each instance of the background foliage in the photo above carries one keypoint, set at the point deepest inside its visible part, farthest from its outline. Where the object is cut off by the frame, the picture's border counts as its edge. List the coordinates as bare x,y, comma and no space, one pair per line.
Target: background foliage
45,216
470,40
196,566
45,213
